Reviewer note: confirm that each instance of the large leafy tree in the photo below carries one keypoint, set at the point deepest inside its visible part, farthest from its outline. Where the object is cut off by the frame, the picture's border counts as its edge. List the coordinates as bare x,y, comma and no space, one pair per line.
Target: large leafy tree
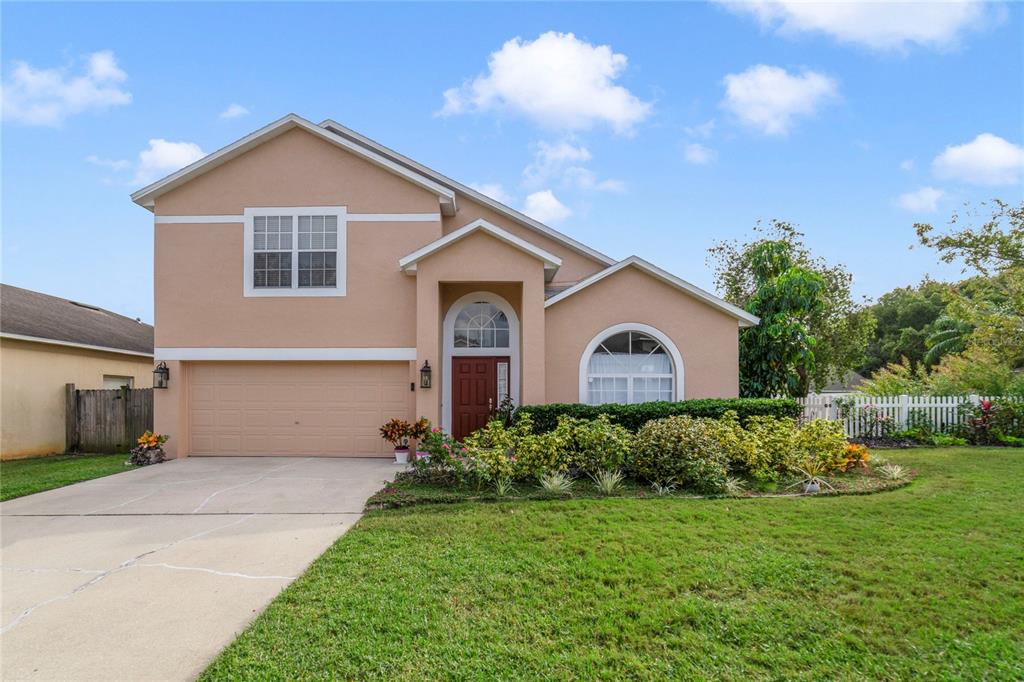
812,330
993,303
906,318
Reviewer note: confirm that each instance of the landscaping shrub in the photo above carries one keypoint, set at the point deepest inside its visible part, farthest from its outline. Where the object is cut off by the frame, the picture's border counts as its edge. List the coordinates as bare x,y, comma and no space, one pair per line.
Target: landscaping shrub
822,440
633,417
992,422
771,451
681,449
518,452
592,445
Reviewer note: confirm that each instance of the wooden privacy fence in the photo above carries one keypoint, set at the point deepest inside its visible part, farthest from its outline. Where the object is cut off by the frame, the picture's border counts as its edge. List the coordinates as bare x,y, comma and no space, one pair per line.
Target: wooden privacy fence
862,414
106,420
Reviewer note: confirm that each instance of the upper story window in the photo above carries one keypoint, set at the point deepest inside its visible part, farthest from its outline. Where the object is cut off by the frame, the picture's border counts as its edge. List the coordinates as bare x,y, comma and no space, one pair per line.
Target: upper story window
297,251
481,325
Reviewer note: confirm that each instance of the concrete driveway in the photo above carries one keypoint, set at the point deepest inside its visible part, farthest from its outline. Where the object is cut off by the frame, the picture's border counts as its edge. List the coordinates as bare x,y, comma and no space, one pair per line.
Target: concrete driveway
148,574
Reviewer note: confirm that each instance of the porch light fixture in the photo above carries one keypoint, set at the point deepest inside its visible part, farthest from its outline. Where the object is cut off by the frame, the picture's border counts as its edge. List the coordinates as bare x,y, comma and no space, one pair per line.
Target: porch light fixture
161,375
425,373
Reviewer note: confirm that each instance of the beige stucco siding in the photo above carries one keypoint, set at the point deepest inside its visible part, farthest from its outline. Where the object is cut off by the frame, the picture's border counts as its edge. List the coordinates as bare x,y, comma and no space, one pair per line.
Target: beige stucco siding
707,338
198,283
575,266
297,168
32,379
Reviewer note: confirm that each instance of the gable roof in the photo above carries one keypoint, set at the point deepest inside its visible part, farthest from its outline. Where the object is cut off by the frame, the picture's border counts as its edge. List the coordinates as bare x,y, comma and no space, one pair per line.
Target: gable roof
508,212
146,196
551,261
32,316
745,318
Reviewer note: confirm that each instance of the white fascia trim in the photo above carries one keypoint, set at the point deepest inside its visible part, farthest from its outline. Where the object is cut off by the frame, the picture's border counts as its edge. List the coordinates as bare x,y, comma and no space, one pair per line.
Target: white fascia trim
288,354
146,196
745,318
551,261
198,219
511,213
352,217
394,217
72,344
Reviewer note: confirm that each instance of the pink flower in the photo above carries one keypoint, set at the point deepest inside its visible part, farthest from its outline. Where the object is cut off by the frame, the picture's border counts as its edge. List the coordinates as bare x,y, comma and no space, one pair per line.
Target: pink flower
434,430
446,446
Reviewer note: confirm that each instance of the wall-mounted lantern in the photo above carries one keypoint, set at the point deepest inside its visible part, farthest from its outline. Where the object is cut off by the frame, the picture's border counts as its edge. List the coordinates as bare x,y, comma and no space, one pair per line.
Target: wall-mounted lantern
425,373
161,376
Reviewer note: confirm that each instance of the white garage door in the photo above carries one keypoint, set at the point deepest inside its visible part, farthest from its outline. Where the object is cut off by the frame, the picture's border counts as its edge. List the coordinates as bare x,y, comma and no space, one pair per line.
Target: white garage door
295,408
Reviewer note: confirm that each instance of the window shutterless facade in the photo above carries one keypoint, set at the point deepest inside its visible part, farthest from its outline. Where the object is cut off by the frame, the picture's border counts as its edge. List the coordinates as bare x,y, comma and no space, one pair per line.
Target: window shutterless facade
295,251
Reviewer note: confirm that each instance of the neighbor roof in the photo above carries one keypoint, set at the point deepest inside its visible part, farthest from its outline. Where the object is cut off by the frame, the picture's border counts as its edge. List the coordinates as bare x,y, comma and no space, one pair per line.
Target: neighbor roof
551,261
745,318
147,195
32,316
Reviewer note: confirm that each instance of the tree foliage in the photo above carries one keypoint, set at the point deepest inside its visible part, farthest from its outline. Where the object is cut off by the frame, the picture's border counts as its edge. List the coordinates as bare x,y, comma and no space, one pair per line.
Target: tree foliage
812,330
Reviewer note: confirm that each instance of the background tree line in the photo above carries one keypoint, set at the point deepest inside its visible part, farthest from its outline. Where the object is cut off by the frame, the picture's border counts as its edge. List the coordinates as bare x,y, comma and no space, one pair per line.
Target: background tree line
932,338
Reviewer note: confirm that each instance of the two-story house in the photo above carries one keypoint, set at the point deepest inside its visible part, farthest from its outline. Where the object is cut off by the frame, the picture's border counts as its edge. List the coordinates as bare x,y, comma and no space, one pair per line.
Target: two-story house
306,277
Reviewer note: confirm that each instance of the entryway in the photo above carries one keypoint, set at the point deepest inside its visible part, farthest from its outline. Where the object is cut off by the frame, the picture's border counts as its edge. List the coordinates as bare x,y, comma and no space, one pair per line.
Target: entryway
479,386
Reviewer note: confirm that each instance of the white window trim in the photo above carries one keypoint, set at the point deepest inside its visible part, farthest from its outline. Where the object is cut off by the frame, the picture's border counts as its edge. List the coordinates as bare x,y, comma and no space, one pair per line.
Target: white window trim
250,291
449,350
658,335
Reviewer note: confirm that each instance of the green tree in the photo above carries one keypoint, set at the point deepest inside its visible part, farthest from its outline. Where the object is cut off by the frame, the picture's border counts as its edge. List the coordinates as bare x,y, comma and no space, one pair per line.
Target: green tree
905,318
948,336
993,304
813,340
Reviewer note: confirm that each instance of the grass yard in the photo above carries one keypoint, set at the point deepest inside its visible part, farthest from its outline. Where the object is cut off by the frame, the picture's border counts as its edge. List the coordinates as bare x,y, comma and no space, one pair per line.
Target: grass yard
922,582
20,477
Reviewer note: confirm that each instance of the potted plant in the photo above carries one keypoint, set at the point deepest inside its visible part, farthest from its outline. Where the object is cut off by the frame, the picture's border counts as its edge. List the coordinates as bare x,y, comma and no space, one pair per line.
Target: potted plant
418,430
397,432
149,449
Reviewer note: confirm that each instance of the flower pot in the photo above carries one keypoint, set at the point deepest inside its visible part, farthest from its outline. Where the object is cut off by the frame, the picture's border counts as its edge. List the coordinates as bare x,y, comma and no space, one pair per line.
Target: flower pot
812,487
422,455
401,455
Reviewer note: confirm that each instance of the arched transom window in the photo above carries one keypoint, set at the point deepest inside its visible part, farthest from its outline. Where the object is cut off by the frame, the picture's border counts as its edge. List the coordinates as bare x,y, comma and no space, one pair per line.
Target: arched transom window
481,325
629,367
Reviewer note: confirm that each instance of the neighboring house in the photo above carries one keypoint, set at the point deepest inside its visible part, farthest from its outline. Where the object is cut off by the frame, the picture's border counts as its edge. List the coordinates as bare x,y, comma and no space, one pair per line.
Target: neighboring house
305,275
845,384
47,342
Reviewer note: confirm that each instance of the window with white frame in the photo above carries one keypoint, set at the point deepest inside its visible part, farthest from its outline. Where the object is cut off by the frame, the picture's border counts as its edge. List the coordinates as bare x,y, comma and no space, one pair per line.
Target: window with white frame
295,252
481,325
629,367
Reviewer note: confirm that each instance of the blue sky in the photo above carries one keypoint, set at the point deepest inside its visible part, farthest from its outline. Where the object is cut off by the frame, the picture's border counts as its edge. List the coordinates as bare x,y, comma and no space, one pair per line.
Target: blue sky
664,128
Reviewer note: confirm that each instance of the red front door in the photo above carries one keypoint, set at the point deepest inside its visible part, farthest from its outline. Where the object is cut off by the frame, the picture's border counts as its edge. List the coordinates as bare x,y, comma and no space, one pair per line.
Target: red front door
474,392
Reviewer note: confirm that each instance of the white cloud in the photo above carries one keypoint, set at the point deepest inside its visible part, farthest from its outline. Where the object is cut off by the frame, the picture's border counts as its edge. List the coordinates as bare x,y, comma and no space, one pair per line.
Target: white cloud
703,131
494,190
563,162
877,25
556,80
907,165
923,200
986,160
770,99
545,207
699,154
234,111
46,97
112,164
164,157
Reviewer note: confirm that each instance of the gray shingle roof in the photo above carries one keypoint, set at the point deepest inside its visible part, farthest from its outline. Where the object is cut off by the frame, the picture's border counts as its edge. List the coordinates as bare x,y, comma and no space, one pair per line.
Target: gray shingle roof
30,313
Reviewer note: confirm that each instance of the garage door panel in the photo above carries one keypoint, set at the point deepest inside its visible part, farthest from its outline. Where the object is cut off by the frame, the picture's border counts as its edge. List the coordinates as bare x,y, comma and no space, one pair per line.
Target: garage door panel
317,409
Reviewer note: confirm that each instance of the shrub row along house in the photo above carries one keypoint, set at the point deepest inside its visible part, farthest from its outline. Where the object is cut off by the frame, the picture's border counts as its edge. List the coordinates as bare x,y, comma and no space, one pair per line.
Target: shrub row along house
312,284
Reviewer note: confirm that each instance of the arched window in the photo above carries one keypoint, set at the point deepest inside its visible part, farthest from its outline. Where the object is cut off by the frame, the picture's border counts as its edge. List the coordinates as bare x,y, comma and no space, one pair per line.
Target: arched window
481,325
629,367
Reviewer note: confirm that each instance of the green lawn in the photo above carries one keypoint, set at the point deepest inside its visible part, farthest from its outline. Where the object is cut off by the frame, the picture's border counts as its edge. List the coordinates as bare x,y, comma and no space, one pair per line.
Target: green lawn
20,477
924,582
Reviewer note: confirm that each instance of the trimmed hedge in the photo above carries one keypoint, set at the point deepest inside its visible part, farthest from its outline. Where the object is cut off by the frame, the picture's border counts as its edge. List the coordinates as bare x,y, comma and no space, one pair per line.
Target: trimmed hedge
545,417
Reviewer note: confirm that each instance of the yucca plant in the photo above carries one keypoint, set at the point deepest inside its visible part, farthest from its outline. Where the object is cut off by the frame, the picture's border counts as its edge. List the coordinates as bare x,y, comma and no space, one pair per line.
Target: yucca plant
607,482
661,489
556,483
892,472
734,487
812,473
503,487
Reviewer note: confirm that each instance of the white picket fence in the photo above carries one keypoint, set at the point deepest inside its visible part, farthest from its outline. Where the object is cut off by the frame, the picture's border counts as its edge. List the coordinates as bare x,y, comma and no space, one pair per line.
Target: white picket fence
865,412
